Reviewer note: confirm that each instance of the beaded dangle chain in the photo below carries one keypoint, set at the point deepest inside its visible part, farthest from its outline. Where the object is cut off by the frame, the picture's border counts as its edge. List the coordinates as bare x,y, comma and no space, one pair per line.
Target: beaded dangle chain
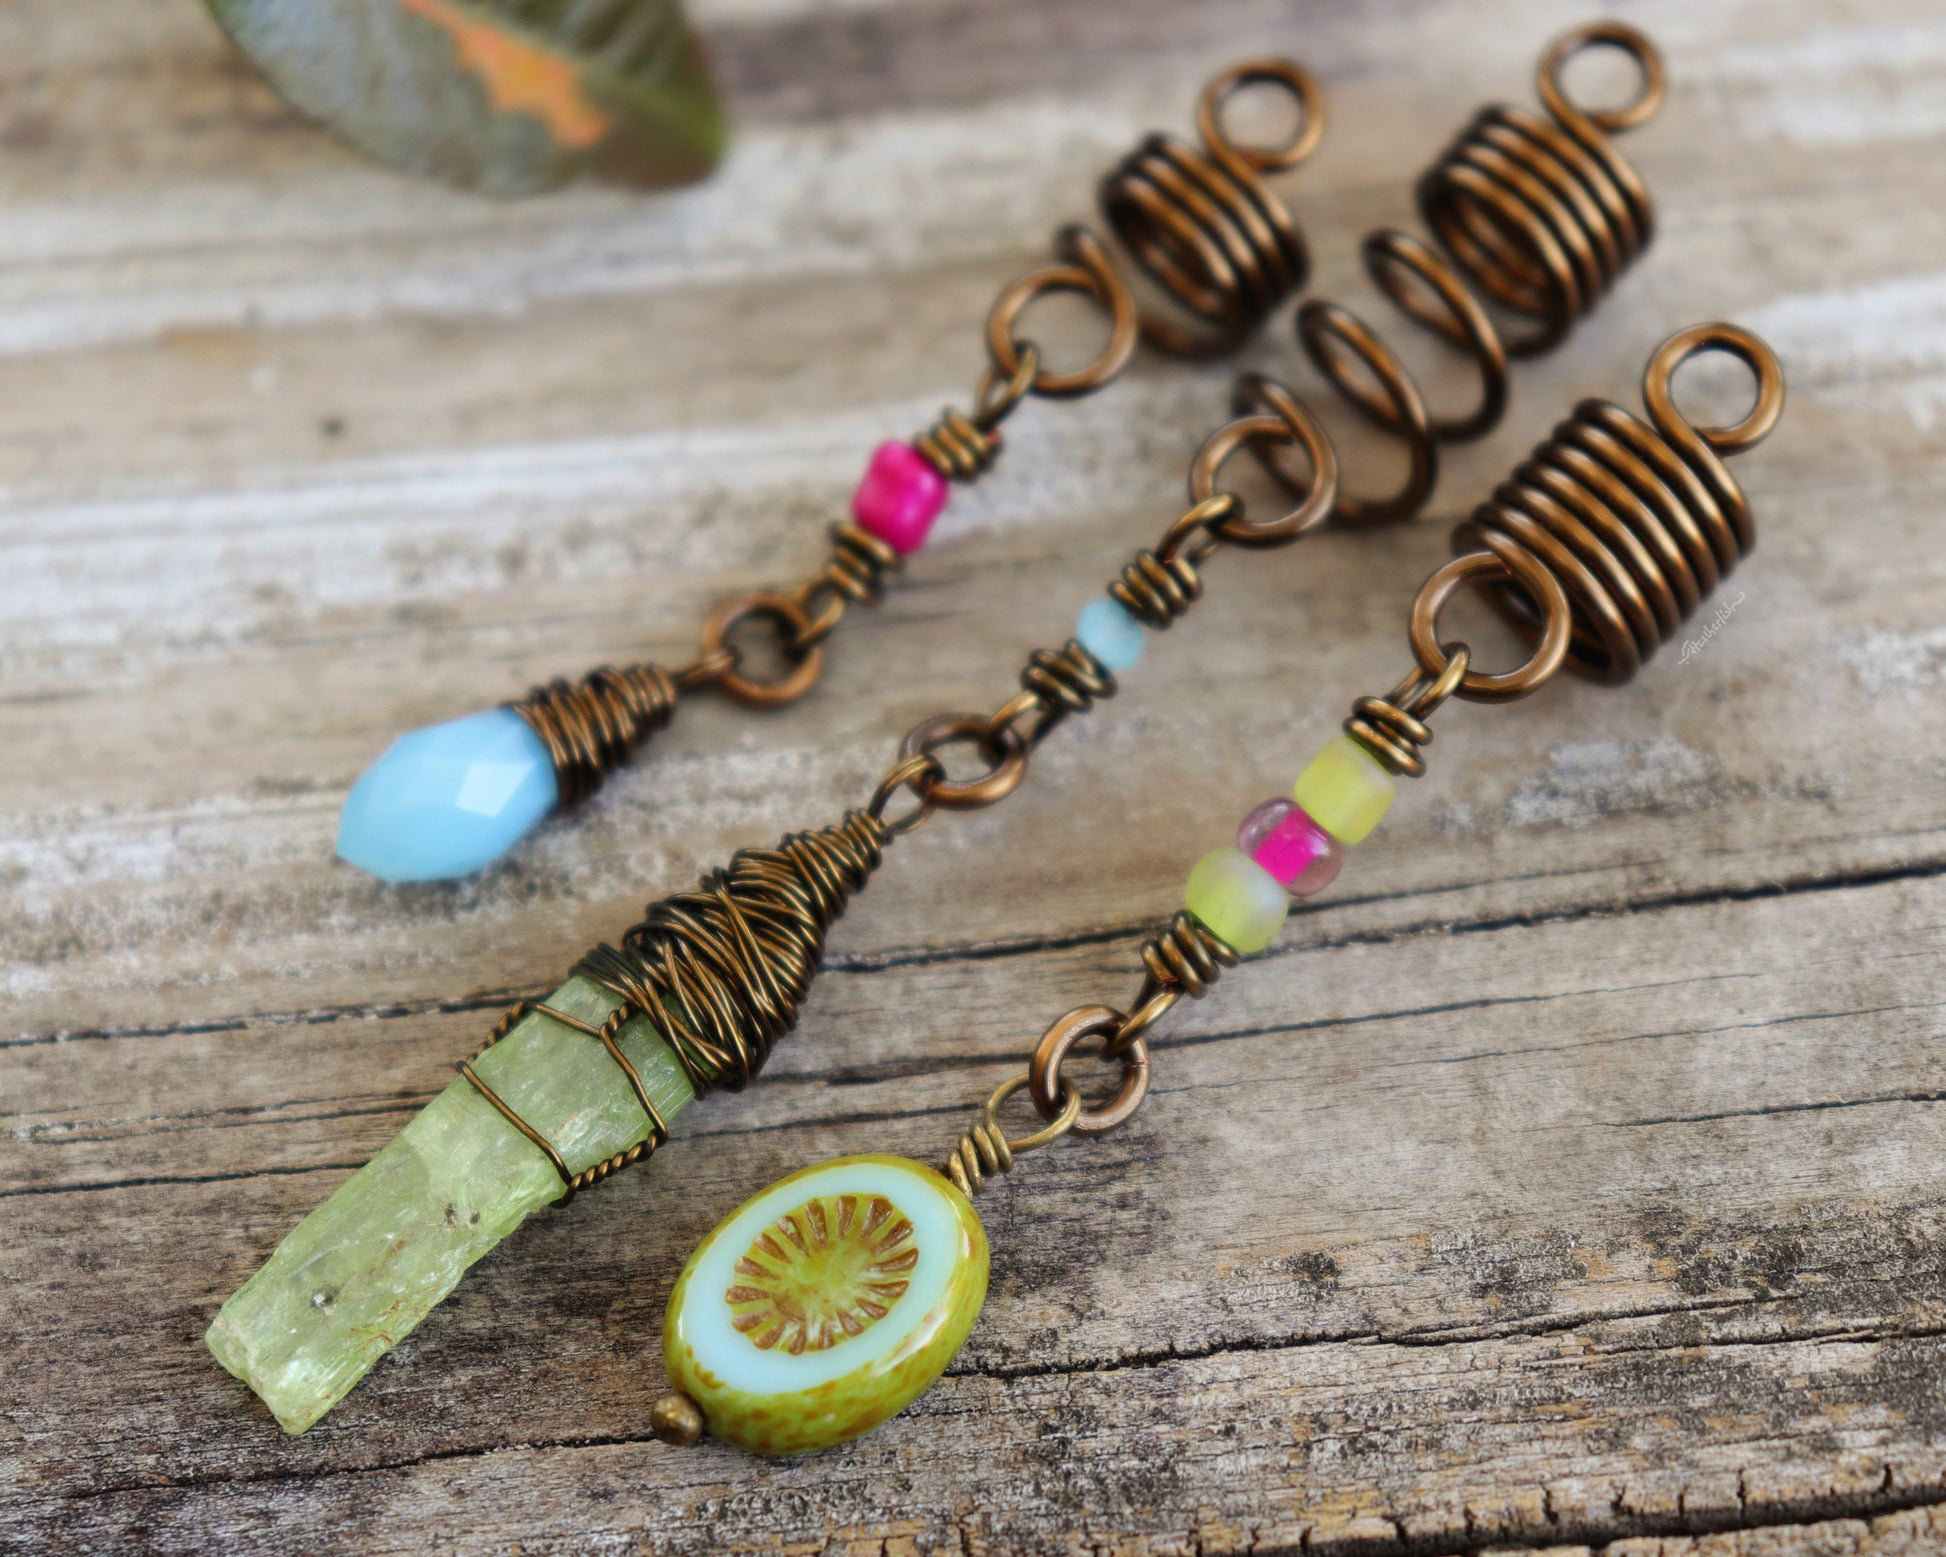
833,1299
693,996
1201,223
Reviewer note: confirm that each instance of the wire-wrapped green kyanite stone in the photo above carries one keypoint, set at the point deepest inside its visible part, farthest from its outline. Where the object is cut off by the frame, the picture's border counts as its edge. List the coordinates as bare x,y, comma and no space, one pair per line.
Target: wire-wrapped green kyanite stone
360,1272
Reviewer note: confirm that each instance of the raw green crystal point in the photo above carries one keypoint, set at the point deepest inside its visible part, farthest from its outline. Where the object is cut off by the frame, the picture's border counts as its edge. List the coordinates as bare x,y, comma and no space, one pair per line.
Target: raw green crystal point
360,1272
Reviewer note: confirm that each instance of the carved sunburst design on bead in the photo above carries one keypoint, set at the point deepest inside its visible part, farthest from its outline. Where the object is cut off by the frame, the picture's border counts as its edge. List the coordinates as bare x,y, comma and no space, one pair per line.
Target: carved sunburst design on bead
823,1273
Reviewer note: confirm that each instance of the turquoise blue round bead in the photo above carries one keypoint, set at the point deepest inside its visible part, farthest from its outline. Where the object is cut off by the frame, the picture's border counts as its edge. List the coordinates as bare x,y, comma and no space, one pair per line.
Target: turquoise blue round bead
1110,634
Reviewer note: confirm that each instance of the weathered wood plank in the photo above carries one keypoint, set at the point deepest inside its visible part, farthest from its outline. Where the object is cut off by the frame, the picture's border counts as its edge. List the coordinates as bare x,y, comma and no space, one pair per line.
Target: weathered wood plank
1570,1176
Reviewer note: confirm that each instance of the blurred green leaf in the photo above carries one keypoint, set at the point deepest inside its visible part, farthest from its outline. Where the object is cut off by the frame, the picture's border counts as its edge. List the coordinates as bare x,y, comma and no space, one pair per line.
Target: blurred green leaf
503,96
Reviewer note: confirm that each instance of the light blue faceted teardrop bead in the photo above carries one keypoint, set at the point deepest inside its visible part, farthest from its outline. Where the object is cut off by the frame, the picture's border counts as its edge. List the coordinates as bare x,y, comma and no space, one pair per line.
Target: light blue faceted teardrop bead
449,799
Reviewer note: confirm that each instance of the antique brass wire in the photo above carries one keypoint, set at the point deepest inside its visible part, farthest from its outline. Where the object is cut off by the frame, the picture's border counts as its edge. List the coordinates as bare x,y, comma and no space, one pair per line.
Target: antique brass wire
1204,225
854,574
1634,521
1186,955
985,1150
607,1034
1050,1089
720,970
1393,728
1537,214
590,726
956,448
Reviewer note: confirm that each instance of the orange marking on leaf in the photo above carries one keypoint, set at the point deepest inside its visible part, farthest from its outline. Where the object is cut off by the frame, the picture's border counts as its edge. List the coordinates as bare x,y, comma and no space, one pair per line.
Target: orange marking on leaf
519,77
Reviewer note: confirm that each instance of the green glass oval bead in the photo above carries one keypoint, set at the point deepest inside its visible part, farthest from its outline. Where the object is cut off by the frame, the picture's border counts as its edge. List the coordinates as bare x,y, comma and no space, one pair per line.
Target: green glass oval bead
1346,790
1237,899
826,1304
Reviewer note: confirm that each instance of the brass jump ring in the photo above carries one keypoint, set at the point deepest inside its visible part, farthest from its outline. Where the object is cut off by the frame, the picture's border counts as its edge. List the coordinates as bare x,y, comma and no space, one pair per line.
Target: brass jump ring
785,612
1542,587
1658,384
1287,74
1085,268
1603,35
1059,1125
1005,751
1050,1087
1292,426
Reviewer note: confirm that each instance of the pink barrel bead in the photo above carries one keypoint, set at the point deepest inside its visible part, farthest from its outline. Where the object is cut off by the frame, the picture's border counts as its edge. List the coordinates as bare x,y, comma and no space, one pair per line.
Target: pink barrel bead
1284,840
900,497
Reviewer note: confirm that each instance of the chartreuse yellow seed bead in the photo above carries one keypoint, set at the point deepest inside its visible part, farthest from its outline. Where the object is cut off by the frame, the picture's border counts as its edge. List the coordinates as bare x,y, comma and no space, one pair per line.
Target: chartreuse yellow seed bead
1237,899
1345,789
824,1305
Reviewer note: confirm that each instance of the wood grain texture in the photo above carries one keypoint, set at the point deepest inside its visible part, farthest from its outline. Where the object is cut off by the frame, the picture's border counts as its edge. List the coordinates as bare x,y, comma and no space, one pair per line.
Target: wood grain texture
1569,1179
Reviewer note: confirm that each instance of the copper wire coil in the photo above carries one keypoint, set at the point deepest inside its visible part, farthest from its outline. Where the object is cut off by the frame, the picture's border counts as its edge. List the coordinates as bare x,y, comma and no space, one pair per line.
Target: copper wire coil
1393,728
1390,733
860,563
1187,955
1156,590
1203,223
1628,523
982,1153
590,726
720,970
1068,680
957,447
1537,214
1541,212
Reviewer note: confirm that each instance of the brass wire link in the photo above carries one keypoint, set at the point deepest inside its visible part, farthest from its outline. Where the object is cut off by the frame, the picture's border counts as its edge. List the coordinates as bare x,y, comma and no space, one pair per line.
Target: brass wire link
985,1149
1184,958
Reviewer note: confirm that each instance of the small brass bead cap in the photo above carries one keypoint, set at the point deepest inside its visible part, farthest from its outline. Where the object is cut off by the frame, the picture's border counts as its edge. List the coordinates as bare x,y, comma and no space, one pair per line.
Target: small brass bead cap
676,1419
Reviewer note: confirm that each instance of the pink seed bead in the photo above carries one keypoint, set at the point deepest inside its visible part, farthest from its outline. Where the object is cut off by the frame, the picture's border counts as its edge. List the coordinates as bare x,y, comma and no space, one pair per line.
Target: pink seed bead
1284,840
900,497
